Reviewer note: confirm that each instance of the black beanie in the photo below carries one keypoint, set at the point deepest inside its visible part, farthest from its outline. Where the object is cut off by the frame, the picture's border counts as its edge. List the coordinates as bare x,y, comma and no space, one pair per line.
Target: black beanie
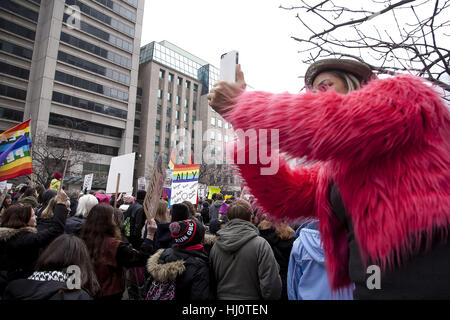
186,233
180,212
140,195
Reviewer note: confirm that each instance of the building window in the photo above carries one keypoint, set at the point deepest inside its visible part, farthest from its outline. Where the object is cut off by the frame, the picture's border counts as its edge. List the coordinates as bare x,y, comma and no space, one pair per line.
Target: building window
219,137
193,119
177,100
139,91
167,127
226,125
179,81
138,107
169,96
177,115
188,84
137,123
213,121
219,123
158,109
169,112
155,156
211,135
194,105
156,140
158,124
170,77
186,102
225,138
195,87
160,93
166,158
185,117
136,139
166,142
161,73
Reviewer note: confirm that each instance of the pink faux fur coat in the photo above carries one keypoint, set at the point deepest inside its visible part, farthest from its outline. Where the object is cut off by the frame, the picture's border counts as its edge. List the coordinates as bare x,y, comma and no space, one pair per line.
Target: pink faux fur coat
387,146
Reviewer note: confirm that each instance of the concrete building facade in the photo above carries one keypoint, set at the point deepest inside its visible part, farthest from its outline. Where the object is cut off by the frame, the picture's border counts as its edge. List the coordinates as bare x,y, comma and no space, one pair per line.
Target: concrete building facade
72,67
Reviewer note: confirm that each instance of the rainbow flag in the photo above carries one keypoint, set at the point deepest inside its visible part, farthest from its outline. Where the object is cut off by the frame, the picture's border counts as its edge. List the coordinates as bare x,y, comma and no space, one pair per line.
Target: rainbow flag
172,160
185,173
12,135
15,161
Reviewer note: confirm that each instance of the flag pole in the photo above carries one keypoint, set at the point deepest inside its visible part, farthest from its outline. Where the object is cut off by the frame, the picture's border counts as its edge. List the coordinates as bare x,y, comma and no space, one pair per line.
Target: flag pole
65,168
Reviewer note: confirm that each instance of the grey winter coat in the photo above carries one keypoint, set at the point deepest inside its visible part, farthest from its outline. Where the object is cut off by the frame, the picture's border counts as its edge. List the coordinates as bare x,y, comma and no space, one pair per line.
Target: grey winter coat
243,264
214,209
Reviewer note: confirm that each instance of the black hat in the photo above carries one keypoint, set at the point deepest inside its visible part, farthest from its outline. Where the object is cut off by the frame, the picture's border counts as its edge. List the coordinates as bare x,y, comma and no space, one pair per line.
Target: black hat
180,212
140,195
186,233
214,225
359,69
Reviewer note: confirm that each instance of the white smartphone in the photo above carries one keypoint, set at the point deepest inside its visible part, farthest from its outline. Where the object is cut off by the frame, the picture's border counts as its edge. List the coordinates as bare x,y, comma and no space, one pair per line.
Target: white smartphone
228,63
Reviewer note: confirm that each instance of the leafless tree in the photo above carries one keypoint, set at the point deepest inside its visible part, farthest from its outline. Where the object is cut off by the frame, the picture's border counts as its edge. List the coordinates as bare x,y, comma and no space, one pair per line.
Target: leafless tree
220,175
50,155
391,36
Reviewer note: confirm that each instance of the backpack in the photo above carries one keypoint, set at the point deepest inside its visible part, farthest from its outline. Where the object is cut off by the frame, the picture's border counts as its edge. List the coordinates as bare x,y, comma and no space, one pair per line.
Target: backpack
161,290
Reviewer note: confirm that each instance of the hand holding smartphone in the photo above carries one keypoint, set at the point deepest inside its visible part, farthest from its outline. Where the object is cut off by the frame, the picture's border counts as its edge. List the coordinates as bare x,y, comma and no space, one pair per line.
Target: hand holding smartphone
228,63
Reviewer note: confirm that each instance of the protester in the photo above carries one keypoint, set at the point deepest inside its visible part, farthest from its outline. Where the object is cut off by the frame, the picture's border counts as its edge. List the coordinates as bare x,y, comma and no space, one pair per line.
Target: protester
7,202
109,254
162,219
135,220
40,189
55,184
29,196
75,222
307,277
73,202
242,262
46,196
52,274
205,212
21,188
193,214
378,179
20,242
210,236
185,264
127,201
280,236
215,207
223,209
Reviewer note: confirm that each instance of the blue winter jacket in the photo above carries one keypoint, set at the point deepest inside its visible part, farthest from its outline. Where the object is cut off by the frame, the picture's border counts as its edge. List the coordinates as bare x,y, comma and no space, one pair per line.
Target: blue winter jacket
307,277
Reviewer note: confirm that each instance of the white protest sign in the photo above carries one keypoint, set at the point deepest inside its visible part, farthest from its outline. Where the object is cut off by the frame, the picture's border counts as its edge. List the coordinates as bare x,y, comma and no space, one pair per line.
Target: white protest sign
141,183
184,183
3,185
87,185
9,186
125,166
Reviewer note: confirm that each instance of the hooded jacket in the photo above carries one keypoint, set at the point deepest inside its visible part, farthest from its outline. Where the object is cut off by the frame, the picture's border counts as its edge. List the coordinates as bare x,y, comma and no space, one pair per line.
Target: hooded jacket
214,209
188,268
19,248
387,148
307,277
243,264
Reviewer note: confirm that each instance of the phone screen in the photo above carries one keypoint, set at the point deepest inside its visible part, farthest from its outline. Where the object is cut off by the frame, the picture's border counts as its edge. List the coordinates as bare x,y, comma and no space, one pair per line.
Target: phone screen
228,62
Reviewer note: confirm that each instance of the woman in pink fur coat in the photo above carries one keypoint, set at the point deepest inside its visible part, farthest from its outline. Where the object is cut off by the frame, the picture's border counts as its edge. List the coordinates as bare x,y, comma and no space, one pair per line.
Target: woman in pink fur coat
380,179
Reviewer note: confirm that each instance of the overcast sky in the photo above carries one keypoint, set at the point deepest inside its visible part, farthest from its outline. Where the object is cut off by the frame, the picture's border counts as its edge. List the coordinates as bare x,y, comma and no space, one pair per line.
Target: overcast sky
259,30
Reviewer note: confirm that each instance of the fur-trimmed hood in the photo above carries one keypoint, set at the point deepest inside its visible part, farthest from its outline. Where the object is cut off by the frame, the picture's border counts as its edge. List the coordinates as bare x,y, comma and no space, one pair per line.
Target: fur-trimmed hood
8,233
209,239
164,271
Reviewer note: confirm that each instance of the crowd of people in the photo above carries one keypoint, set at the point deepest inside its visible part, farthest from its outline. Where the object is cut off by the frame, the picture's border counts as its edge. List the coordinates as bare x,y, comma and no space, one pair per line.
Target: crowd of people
219,249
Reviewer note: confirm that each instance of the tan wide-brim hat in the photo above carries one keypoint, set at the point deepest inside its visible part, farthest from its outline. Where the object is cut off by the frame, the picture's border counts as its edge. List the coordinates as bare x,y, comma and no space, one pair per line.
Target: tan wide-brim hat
360,70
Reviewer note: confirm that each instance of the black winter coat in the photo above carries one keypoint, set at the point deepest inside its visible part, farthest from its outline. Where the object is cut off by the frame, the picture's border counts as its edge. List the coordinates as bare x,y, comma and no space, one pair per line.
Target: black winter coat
20,248
190,268
281,250
136,214
25,289
162,239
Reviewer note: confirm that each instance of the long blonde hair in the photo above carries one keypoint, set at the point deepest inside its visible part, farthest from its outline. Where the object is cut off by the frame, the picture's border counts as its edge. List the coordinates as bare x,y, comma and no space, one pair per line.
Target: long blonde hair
162,214
47,213
351,82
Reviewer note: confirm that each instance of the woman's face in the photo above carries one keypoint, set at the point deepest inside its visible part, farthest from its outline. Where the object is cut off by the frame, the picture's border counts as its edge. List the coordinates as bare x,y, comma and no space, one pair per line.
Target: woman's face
32,221
325,80
8,201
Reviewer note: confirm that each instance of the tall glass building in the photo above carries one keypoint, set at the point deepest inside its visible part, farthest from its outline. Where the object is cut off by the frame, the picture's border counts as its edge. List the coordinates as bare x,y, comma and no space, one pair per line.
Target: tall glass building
72,67
172,105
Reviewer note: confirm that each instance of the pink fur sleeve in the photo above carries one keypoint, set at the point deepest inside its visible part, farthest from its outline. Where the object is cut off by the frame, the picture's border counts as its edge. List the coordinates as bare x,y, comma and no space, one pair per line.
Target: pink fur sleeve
385,115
